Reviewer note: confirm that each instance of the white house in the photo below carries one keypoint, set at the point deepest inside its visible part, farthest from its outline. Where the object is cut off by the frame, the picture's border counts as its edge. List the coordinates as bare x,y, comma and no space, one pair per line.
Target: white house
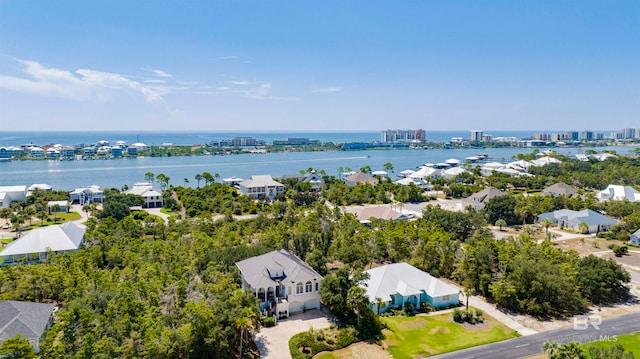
10,194
400,283
152,198
282,282
618,193
35,245
261,186
87,195
572,219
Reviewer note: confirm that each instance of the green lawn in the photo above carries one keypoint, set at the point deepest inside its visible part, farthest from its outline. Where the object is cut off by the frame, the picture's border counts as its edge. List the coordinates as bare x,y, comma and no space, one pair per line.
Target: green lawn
60,217
6,240
411,337
630,342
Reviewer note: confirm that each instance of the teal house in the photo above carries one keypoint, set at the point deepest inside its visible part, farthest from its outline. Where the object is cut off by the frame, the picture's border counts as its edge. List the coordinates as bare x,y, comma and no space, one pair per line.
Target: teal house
400,283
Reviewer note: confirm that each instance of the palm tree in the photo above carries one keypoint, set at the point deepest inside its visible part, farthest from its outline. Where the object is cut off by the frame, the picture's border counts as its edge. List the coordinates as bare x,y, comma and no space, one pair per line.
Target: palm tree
149,177
380,304
245,325
198,178
552,349
186,181
546,223
572,350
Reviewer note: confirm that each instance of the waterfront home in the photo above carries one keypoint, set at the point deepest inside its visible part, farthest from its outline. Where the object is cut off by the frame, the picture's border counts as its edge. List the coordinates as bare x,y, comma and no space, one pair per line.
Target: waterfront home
453,172
382,174
39,187
313,178
560,189
261,186
233,181
57,206
52,153
634,238
10,194
68,152
394,285
595,221
360,177
89,151
116,151
38,243
36,152
132,151
141,147
546,160
87,195
30,320
5,153
282,282
152,197
426,173
618,193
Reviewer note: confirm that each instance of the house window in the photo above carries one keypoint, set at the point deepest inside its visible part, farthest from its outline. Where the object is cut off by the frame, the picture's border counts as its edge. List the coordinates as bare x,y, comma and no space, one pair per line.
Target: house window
308,287
317,286
289,290
445,298
299,288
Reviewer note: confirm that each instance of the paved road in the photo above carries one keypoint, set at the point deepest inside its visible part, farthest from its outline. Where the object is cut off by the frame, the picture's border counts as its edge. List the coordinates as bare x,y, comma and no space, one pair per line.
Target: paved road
532,344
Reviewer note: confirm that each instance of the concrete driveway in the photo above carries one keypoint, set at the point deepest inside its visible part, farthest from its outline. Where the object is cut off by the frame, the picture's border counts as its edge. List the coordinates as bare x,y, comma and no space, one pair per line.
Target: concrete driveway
273,342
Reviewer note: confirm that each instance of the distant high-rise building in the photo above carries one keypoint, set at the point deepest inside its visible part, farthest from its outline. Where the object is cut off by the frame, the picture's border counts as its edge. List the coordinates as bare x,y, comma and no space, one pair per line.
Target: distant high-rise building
573,135
637,132
476,136
628,133
390,136
599,136
487,138
586,136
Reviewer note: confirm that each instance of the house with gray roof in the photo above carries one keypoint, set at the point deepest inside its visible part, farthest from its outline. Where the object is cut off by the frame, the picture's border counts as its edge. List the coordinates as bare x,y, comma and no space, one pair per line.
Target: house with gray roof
360,177
261,186
384,213
400,283
283,283
567,218
635,238
313,178
560,189
30,320
479,199
36,244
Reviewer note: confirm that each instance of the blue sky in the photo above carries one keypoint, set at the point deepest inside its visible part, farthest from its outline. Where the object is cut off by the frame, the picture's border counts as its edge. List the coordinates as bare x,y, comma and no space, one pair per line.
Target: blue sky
319,65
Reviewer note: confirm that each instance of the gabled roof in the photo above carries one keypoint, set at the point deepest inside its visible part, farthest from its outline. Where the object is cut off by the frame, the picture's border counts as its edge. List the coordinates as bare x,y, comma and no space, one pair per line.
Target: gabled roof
562,189
24,318
143,189
425,172
384,213
260,271
636,233
65,237
485,195
543,161
360,177
404,279
617,192
574,218
261,181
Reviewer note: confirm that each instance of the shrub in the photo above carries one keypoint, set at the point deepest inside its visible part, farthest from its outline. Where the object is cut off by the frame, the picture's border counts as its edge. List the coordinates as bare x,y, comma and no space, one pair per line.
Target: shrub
269,321
408,308
457,315
425,307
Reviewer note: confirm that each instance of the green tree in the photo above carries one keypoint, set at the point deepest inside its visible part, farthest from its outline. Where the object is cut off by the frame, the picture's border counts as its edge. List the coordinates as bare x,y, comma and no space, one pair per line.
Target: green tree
163,180
501,223
17,347
198,178
149,176
388,166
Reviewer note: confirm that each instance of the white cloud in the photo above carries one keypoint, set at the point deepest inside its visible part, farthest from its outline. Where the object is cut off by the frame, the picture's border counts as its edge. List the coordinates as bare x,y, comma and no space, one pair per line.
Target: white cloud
157,72
328,89
240,83
84,84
